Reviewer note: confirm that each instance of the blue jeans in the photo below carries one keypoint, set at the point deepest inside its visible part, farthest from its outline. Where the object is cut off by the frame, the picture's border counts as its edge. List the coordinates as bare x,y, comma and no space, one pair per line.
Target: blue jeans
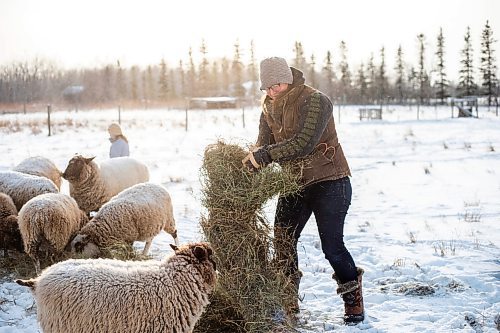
329,201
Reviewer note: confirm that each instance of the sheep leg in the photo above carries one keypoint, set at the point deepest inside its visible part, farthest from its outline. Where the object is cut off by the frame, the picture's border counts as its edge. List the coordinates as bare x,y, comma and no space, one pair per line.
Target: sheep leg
147,246
176,239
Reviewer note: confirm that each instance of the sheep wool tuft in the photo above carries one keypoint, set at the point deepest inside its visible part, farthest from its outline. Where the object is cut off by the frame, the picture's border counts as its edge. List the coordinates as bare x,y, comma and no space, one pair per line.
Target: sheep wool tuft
108,295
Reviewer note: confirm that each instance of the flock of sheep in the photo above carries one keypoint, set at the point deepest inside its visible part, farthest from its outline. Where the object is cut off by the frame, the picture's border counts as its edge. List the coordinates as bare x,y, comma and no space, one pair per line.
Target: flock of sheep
109,203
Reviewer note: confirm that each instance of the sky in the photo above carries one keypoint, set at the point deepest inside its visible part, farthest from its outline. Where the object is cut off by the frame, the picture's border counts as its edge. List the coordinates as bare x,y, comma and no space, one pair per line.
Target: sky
93,32
424,216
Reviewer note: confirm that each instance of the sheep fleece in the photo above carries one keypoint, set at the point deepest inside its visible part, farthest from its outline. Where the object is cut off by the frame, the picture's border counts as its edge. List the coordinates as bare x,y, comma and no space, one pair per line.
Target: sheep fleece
53,216
40,166
108,295
22,187
135,214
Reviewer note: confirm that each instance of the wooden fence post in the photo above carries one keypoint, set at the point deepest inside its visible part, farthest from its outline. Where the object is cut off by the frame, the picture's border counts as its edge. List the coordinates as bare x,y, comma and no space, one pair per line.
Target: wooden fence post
48,117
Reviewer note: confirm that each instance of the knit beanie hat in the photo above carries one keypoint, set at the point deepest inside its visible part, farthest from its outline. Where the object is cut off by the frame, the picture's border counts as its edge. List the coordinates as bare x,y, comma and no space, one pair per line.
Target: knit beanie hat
274,70
114,129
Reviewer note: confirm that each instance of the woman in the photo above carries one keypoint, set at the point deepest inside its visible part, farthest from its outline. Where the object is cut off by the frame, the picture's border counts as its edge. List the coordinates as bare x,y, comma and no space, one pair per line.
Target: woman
297,124
119,143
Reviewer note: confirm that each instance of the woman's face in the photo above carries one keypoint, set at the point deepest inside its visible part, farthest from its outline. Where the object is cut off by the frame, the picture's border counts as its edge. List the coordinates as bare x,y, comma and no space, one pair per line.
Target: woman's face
276,89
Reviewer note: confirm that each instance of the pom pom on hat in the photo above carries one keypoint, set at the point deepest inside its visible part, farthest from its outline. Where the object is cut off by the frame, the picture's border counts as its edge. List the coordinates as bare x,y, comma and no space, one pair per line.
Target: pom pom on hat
274,70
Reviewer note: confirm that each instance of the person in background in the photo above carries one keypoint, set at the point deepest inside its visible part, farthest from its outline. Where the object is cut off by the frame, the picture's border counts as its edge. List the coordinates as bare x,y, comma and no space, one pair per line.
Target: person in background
296,124
119,143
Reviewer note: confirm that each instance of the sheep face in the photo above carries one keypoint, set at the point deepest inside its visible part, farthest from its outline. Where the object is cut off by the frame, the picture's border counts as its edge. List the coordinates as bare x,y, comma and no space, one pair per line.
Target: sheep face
82,244
78,169
201,255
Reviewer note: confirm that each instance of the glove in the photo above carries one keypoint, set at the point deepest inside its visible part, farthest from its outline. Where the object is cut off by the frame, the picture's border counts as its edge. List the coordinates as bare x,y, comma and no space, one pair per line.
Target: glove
257,159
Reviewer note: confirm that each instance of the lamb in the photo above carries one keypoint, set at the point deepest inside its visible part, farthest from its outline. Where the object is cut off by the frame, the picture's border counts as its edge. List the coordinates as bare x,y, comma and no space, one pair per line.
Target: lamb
10,237
138,213
108,295
40,166
22,187
47,224
92,185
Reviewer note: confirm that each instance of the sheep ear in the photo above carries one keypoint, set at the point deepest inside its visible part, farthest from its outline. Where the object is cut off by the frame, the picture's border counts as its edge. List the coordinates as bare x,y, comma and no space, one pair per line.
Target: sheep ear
200,253
174,247
88,160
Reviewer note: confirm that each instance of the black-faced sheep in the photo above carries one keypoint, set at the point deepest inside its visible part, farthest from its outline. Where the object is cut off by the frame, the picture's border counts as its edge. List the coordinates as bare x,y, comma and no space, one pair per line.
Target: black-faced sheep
40,166
22,187
93,185
138,213
107,295
47,224
10,237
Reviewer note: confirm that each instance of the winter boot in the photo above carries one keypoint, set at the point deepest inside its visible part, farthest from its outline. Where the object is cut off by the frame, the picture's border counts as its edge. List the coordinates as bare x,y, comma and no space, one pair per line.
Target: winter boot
352,294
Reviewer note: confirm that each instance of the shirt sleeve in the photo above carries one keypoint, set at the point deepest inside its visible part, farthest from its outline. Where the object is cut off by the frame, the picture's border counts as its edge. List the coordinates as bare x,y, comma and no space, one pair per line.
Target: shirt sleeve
313,118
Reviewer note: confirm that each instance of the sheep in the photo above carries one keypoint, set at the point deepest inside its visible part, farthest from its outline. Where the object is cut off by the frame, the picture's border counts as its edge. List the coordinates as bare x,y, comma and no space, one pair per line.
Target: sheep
10,237
22,187
138,213
92,185
47,224
40,166
109,295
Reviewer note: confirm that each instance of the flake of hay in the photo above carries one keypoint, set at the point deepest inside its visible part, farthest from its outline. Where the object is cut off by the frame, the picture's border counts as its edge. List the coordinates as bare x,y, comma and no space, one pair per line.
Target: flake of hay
250,289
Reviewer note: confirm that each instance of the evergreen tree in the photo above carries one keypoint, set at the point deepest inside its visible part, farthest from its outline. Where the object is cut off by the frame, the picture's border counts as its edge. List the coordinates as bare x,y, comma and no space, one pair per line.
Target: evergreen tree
151,90
191,76
312,73
422,74
133,83
466,84
237,71
203,76
345,74
329,75
225,74
299,61
400,73
361,84
120,82
182,80
442,81
164,90
488,67
382,77
372,85
253,73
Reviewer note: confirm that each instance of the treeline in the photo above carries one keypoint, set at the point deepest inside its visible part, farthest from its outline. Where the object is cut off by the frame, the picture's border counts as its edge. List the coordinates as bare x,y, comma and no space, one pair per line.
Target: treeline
161,84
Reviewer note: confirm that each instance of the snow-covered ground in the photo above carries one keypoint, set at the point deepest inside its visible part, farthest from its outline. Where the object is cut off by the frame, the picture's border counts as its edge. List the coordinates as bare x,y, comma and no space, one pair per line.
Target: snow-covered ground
424,219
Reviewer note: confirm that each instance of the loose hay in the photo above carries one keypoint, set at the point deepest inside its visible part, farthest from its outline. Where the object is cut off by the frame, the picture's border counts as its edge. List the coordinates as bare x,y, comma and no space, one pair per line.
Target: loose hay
251,291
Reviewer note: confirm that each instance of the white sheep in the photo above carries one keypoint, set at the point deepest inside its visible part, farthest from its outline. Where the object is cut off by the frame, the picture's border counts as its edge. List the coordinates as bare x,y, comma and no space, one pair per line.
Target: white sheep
22,187
47,224
93,185
138,213
108,295
10,237
40,166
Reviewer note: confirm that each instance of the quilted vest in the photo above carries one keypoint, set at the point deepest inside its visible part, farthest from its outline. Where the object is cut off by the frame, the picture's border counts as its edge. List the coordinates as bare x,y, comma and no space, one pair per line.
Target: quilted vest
327,160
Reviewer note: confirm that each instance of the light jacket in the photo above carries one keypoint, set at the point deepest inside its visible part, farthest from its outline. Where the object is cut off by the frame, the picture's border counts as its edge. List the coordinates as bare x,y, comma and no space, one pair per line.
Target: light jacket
119,148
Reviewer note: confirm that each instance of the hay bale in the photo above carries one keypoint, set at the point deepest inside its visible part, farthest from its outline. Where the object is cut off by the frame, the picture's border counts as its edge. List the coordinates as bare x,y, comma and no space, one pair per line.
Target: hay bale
250,290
